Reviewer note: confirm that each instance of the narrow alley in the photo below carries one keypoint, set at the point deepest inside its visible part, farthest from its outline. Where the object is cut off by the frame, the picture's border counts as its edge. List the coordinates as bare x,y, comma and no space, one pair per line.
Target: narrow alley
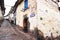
9,31
29,19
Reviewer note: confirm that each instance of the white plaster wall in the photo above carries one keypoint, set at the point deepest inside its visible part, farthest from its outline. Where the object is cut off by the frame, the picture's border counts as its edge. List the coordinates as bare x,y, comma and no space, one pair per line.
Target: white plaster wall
49,12
51,18
33,9
20,14
8,4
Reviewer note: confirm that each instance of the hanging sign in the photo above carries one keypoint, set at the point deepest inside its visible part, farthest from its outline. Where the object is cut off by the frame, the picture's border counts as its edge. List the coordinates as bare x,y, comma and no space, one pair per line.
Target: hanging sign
32,15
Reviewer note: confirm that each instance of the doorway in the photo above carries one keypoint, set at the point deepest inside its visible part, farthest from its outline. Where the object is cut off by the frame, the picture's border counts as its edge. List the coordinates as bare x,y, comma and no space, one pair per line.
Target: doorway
25,23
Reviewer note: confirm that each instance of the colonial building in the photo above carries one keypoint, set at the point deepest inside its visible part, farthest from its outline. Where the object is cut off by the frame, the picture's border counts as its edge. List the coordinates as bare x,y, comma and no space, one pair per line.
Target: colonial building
41,14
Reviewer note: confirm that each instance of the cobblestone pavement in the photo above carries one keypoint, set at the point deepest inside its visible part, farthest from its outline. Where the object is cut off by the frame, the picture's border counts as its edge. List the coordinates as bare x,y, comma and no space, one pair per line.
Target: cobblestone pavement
10,32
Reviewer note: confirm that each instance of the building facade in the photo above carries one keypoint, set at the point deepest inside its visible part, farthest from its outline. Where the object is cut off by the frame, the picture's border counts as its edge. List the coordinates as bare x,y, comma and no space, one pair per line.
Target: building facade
41,14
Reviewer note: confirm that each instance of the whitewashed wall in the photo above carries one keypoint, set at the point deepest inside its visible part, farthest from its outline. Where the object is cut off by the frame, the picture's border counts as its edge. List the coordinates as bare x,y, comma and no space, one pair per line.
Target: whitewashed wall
45,9
33,11
20,14
50,22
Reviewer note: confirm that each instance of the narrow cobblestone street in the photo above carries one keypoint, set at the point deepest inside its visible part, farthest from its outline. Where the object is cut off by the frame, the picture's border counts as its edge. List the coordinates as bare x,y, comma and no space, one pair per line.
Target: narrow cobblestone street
9,32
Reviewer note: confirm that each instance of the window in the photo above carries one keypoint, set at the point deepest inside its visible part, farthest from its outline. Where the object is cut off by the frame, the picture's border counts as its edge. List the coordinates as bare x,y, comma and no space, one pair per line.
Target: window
25,4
